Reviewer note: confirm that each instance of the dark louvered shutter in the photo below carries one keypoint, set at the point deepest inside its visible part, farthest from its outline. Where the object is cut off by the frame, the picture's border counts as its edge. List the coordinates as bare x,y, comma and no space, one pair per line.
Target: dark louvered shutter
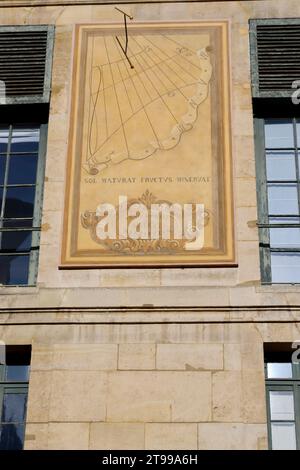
25,63
275,56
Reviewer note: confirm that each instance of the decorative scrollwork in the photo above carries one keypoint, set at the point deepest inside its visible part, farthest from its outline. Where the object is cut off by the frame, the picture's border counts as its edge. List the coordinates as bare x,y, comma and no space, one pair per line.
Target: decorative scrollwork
89,221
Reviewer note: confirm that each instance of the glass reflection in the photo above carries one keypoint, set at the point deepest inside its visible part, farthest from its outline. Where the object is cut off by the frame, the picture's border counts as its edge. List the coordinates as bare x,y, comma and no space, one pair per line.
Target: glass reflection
282,405
11,436
283,199
279,133
281,165
285,236
14,407
298,132
279,370
25,140
19,202
18,373
285,267
4,133
283,436
2,168
14,269
16,241
22,169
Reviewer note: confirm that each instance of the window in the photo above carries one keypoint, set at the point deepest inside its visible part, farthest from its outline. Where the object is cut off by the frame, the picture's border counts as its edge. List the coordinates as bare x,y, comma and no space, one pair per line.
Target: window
283,401
278,182
14,377
277,147
22,149
25,76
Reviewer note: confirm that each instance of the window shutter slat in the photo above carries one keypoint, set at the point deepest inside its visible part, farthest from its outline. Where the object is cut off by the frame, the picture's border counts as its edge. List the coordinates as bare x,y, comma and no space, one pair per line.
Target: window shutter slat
275,56
25,63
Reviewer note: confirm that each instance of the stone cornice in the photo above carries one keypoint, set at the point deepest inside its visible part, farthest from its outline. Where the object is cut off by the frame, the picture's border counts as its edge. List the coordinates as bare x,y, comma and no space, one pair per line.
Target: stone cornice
150,315
155,308
45,3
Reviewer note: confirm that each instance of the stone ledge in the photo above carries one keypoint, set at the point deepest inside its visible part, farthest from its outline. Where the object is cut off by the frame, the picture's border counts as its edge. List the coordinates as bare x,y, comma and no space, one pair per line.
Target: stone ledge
46,3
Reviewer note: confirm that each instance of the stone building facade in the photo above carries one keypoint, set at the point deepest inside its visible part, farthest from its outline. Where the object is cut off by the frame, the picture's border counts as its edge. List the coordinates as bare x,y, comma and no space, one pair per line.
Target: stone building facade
148,358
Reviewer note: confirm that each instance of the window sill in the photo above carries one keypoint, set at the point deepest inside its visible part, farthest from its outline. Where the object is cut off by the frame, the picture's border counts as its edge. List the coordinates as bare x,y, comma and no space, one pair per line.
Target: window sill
278,288
22,289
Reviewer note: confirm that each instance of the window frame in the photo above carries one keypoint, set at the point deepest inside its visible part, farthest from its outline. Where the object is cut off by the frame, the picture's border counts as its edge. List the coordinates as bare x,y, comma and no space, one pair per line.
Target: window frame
262,202
38,207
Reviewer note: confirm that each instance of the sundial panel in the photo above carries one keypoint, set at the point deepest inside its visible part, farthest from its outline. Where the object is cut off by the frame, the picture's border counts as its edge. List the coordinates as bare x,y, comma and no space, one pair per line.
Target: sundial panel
151,124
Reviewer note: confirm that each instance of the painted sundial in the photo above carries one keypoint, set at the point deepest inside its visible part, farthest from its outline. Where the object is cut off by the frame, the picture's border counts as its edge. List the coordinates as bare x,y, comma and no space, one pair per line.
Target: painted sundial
135,111
149,122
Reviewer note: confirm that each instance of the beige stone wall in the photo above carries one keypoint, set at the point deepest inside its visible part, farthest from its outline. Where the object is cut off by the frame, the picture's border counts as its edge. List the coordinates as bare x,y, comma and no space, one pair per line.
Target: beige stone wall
64,18
145,386
185,370
235,285
153,386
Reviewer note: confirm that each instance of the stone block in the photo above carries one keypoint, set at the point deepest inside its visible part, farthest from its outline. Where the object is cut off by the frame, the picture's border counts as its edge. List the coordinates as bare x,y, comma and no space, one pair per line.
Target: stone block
189,356
85,356
159,396
254,398
227,396
116,436
136,356
39,396
231,436
78,396
175,436
68,436
232,356
36,436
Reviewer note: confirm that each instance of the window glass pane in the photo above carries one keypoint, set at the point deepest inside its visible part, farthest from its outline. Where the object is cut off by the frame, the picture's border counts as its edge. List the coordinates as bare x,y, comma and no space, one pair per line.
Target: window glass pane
16,373
15,241
11,437
25,140
281,165
2,168
17,222
22,169
3,139
279,370
288,237
298,133
282,405
285,267
283,199
285,220
19,202
279,133
14,269
283,436
14,407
